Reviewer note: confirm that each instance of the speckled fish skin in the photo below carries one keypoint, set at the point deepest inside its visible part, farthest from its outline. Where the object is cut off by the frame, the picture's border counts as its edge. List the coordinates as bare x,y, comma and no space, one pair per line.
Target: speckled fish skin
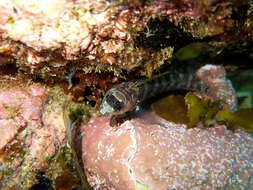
209,80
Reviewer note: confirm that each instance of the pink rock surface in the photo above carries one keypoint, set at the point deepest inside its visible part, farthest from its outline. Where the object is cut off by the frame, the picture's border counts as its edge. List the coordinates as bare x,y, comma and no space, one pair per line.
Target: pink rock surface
17,108
31,132
8,130
141,154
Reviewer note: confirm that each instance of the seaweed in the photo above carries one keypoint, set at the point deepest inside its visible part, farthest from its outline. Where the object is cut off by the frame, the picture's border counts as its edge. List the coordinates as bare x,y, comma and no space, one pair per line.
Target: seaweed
191,110
165,108
77,114
192,51
200,109
239,119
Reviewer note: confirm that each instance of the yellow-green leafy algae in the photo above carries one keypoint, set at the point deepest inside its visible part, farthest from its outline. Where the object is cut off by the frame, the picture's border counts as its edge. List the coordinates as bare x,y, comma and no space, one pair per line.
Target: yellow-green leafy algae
200,109
192,51
246,101
1,174
242,118
10,20
171,108
191,110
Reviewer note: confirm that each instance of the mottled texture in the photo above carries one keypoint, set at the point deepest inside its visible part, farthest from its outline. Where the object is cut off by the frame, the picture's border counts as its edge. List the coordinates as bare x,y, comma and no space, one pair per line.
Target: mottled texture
60,31
105,42
160,155
97,36
217,85
32,133
8,130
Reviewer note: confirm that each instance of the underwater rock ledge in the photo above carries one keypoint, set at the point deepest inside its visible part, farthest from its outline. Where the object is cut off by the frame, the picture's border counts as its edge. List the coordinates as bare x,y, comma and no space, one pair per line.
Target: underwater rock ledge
150,153
52,36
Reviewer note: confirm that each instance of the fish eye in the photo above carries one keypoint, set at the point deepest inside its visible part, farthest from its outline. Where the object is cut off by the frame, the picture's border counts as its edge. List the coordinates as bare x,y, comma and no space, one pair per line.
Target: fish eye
114,102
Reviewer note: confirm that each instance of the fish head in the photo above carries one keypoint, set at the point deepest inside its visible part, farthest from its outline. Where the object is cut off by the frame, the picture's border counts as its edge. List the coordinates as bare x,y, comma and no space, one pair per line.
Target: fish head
115,103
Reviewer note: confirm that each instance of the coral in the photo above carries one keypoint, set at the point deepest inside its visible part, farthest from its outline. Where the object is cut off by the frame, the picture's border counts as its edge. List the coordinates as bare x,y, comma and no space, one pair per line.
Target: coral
149,153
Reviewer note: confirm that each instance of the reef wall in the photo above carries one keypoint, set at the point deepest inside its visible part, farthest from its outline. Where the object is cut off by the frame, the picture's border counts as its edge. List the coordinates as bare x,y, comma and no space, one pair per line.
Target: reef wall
61,56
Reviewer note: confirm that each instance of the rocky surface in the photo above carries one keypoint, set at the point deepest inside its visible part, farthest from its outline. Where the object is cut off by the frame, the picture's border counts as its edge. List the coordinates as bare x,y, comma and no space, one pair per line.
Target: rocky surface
46,40
32,137
147,153
83,47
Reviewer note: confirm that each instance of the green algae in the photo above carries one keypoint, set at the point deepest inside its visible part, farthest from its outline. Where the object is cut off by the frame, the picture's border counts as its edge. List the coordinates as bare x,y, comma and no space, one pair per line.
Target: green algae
191,110
62,170
77,114
239,119
192,51
165,108
200,110
64,157
73,116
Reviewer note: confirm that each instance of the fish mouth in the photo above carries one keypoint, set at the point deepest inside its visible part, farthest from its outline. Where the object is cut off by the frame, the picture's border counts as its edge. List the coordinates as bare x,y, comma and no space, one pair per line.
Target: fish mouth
105,109
102,111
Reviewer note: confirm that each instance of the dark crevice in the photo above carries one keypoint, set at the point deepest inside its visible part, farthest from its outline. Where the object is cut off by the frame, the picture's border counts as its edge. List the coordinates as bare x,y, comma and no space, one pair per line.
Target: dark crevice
162,33
86,94
9,69
43,182
75,81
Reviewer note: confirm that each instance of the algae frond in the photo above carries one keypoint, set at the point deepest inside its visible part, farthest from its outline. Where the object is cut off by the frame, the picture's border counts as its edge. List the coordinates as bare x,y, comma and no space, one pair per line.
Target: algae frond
191,110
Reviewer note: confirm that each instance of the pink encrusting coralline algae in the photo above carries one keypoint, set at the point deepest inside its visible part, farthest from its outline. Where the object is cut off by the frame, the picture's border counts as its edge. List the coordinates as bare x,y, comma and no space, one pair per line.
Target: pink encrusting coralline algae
147,153
31,133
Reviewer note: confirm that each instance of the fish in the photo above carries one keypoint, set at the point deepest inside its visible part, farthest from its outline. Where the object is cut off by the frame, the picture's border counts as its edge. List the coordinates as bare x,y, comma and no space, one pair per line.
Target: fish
209,81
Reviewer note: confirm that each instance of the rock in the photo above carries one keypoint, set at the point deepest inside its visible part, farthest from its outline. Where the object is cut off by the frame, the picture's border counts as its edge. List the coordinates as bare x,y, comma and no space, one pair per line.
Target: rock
8,130
149,153
52,36
33,138
17,109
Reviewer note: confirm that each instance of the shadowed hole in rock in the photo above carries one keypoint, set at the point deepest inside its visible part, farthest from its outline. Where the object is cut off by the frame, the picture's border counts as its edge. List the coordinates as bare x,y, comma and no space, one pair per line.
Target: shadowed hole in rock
160,33
86,94
9,69
75,81
43,183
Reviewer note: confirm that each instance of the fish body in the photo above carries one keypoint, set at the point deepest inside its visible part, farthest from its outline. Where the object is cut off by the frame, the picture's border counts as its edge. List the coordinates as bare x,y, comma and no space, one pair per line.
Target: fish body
209,80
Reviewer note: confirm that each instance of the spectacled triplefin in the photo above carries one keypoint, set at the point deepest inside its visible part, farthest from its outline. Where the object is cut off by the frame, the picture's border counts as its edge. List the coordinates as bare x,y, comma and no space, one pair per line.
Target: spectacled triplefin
209,80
